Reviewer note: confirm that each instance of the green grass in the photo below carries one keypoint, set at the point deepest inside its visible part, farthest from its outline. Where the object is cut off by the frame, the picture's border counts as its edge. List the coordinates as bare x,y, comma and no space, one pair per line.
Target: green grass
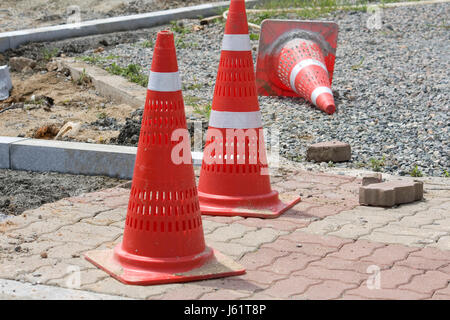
147,44
203,110
179,29
132,72
377,164
416,172
48,54
254,36
277,4
446,174
359,65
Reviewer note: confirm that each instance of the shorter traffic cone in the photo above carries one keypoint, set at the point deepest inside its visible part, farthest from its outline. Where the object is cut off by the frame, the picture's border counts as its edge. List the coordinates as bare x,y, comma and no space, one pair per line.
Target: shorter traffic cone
163,240
296,58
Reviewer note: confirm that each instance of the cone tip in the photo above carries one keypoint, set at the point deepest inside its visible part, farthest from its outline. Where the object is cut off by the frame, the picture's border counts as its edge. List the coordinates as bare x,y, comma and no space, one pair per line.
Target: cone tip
165,39
330,109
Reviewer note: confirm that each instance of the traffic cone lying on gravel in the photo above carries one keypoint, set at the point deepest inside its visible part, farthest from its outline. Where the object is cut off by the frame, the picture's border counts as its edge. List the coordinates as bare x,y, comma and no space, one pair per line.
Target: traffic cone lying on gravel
163,241
292,62
234,178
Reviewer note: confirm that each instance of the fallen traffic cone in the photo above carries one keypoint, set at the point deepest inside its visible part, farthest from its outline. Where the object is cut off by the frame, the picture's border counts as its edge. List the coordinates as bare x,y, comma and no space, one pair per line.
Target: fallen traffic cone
296,58
234,178
163,241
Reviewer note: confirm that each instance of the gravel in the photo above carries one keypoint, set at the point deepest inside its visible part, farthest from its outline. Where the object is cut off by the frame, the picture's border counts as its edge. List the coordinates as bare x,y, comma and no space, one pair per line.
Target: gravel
22,190
391,88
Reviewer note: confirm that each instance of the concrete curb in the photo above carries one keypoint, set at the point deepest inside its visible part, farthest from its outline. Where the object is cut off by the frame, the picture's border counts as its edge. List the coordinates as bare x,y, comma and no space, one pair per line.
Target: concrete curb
70,157
15,290
13,39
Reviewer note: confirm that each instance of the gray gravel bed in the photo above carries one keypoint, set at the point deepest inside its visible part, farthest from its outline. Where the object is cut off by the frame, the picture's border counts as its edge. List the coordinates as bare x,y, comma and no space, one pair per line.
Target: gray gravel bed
391,87
22,190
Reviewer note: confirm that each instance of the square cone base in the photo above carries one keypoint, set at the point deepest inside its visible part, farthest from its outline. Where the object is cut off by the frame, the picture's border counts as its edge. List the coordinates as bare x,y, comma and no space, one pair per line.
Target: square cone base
286,202
218,267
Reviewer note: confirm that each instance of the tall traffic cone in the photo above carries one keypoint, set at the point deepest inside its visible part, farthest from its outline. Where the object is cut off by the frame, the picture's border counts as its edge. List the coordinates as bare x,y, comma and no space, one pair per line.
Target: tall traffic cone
296,58
163,241
234,178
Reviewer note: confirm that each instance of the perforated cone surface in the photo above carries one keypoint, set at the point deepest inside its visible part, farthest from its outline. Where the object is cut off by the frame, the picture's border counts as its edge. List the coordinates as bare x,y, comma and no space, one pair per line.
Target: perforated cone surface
163,237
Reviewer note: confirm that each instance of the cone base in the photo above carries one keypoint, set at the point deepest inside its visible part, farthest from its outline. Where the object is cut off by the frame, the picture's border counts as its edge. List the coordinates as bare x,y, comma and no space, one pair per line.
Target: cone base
228,206
217,267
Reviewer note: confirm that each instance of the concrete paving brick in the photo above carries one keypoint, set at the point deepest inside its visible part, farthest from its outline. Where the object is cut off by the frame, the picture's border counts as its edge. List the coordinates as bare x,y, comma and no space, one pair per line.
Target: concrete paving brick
334,151
395,228
313,249
229,232
290,263
225,295
432,254
67,250
115,287
302,236
107,217
389,254
87,276
428,282
438,296
231,249
210,226
385,294
340,264
325,226
439,225
421,263
443,243
356,250
321,273
260,258
443,291
397,276
261,296
327,290
388,194
262,277
371,178
290,287
289,224
190,291
352,231
12,269
407,240
258,237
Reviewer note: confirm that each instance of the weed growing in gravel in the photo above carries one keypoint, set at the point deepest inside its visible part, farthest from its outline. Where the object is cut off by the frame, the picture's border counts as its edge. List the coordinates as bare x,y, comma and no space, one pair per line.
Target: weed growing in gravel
254,36
83,79
359,65
48,54
376,164
203,110
179,28
331,164
446,174
147,44
132,72
416,172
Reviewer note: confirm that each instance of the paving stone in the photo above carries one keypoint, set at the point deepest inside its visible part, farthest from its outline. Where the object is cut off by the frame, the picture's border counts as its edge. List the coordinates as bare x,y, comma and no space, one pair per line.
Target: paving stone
258,237
334,151
402,230
261,296
443,243
87,276
353,231
340,264
389,254
388,194
231,249
185,292
290,263
302,236
407,240
396,276
289,224
371,178
107,217
260,258
67,250
327,290
325,226
229,232
262,277
111,286
432,254
428,282
321,273
11,269
210,226
444,291
439,225
385,294
290,287
356,250
225,295
313,249
422,263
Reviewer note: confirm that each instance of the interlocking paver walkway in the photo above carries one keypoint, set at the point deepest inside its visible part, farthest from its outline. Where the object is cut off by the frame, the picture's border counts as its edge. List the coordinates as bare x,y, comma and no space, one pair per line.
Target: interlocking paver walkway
326,247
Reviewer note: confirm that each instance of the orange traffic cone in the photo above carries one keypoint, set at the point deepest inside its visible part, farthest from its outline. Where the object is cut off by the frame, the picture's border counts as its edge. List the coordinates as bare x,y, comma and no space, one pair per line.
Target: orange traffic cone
291,58
163,241
234,178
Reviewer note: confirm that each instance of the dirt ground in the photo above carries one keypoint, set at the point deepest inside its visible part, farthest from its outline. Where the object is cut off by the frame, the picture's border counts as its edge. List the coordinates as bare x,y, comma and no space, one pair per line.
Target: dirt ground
100,119
25,14
21,190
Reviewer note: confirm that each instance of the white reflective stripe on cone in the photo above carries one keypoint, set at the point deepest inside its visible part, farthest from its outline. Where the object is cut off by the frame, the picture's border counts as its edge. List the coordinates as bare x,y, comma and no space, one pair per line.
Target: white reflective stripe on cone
300,66
235,120
164,81
318,91
236,42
